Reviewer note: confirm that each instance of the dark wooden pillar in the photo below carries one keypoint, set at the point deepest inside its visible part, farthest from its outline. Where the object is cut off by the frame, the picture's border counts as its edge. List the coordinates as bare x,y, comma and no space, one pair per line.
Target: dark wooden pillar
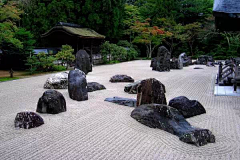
91,57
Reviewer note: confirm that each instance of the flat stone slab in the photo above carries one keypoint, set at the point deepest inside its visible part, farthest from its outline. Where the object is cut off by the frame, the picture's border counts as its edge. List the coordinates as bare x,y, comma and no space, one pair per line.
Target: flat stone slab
123,101
28,120
197,68
121,78
171,120
94,86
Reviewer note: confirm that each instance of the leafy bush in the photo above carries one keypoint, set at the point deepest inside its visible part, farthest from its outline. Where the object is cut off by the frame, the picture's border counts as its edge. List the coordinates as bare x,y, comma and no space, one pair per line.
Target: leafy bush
124,43
113,52
132,54
58,68
66,55
40,62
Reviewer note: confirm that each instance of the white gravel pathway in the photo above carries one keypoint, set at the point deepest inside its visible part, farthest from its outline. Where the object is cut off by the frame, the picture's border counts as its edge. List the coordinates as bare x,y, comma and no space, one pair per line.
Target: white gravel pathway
96,129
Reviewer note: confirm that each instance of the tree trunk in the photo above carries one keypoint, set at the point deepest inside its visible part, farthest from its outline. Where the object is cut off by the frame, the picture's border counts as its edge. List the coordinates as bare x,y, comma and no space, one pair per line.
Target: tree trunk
150,50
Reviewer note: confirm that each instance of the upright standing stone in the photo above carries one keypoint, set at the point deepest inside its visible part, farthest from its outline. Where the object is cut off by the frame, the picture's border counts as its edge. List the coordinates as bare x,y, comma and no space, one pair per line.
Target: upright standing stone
162,62
180,62
83,61
151,91
77,85
184,59
51,102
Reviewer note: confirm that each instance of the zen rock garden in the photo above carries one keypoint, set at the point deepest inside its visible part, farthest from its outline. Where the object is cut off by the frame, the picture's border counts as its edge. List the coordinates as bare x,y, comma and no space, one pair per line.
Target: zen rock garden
150,105
52,101
151,110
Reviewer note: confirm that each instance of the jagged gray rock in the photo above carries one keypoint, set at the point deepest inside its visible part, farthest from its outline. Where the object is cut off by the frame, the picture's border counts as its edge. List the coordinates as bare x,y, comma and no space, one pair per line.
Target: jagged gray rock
122,101
188,108
28,120
162,62
94,86
151,91
77,85
169,119
51,102
185,59
132,87
176,63
57,81
83,62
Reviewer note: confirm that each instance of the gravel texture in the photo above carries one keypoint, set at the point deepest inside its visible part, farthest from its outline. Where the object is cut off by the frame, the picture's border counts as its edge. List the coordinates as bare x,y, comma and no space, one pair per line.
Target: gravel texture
95,129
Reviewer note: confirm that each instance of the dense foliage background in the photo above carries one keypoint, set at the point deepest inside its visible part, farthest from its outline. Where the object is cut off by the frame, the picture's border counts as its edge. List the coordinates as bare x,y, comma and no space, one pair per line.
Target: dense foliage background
143,25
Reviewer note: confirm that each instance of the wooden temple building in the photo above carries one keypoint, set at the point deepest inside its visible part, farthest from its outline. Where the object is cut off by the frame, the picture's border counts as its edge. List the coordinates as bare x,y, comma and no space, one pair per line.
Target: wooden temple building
227,15
75,36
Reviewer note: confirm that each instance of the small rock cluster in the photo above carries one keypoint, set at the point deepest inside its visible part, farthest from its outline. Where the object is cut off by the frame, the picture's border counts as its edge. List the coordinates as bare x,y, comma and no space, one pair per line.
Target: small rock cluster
152,110
170,119
162,62
52,101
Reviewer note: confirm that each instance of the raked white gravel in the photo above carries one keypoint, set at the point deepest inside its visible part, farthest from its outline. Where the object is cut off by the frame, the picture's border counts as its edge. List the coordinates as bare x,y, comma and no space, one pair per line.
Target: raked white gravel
96,129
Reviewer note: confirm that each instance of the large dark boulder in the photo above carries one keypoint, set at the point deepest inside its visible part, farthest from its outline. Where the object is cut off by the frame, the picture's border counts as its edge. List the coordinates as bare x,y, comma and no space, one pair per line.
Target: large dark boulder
28,120
132,87
77,85
121,78
94,86
188,108
51,102
57,81
151,91
170,119
83,61
122,101
162,62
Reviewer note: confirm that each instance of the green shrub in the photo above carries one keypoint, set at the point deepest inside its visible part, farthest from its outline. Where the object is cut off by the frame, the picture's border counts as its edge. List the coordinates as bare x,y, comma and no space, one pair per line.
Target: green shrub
66,55
132,54
40,62
124,43
113,52
58,68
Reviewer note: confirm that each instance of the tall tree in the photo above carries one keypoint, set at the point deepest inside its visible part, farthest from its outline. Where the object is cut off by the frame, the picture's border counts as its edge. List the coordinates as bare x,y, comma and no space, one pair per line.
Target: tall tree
103,16
151,37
